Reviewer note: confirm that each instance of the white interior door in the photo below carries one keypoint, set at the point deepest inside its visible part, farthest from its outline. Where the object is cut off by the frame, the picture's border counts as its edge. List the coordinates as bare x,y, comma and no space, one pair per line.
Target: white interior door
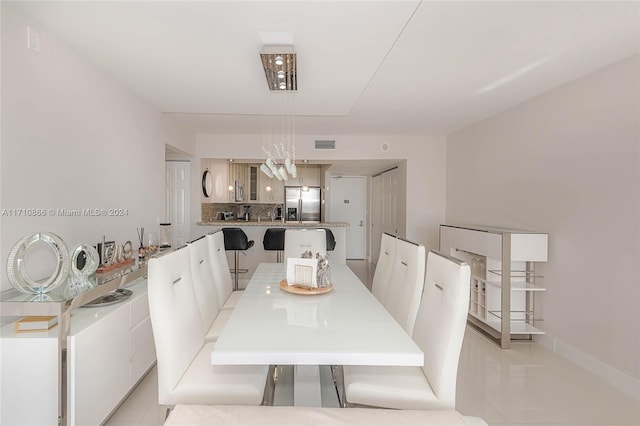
384,208
348,204
177,201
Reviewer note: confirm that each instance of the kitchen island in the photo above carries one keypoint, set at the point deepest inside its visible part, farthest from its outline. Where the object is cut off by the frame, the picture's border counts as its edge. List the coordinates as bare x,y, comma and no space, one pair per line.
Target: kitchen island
255,231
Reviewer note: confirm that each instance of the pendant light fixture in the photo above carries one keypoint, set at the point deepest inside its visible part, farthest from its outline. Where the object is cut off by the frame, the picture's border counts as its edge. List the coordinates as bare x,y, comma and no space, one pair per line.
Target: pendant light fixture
305,187
280,67
231,186
281,72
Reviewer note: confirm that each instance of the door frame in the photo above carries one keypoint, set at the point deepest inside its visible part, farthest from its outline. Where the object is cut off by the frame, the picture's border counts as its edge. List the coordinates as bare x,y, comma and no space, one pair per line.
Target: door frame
170,206
365,205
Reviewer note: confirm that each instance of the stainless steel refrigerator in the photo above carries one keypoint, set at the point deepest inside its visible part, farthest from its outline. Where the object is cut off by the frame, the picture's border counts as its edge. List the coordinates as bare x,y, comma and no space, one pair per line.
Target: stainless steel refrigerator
302,206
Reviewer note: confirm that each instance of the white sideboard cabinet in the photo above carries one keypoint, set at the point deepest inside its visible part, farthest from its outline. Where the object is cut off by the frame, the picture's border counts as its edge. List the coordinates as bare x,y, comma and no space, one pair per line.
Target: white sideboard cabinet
108,350
503,277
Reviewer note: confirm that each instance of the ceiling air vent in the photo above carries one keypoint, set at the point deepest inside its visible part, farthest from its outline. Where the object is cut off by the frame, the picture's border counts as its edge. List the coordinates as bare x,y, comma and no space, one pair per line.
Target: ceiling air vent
325,144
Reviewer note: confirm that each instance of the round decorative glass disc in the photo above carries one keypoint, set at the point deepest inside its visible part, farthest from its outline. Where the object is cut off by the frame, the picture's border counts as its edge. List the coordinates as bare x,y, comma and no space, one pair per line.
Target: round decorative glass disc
17,268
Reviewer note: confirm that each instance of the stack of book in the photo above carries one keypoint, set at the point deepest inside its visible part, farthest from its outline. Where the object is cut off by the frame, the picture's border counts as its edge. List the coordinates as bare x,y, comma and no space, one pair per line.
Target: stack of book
36,323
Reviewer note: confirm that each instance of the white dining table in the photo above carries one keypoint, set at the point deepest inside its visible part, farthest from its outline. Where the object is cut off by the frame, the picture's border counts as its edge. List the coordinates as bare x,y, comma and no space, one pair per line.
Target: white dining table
346,326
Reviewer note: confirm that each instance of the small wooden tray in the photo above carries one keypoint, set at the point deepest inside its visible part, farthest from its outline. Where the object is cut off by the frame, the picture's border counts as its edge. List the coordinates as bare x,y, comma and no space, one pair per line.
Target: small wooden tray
111,267
302,290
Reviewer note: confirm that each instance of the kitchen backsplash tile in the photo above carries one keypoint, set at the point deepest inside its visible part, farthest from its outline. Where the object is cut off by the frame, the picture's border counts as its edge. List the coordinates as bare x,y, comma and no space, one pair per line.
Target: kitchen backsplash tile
213,211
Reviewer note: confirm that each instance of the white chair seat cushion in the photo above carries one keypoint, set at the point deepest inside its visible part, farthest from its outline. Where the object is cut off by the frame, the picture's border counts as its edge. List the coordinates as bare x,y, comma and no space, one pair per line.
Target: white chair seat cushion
404,388
232,300
204,383
217,326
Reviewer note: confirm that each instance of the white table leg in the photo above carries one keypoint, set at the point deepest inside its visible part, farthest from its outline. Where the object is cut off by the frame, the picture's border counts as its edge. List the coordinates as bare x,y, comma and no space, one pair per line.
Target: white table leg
306,386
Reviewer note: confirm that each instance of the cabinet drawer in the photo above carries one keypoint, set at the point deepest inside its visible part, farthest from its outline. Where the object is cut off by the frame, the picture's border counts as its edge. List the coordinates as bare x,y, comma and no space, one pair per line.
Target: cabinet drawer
140,336
139,309
142,362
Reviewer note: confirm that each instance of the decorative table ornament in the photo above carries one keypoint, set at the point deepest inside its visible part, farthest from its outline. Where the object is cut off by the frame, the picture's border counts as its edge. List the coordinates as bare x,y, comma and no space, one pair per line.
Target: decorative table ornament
84,261
165,235
107,251
308,275
114,255
141,250
17,269
152,243
302,272
324,271
127,250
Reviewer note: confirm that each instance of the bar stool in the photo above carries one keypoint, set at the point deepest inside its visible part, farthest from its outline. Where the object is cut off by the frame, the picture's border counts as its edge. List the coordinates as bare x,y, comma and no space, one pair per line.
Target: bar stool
235,239
274,241
331,240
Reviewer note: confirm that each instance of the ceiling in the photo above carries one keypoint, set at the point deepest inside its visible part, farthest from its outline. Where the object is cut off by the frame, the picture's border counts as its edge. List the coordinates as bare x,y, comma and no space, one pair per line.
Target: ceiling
364,67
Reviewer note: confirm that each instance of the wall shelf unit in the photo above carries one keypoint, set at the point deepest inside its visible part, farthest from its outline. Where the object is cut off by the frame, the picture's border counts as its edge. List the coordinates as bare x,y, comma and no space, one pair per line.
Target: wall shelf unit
503,277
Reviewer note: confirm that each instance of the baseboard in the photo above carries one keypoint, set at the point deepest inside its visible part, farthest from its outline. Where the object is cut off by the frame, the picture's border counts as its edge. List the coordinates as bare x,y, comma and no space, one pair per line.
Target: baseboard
620,380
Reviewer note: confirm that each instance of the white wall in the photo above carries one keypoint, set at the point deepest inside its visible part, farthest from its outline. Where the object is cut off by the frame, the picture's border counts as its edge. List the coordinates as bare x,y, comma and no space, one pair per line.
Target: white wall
567,162
426,160
72,138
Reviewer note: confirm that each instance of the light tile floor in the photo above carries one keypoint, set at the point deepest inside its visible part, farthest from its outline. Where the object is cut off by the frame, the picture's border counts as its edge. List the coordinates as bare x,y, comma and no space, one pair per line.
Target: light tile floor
526,385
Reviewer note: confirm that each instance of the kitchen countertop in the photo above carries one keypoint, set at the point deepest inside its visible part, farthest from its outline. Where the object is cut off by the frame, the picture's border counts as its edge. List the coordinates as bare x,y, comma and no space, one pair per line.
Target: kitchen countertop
275,223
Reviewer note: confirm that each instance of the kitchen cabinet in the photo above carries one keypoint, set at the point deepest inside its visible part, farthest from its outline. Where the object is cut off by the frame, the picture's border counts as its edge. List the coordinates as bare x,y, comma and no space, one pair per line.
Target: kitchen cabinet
309,177
276,195
252,189
503,277
238,178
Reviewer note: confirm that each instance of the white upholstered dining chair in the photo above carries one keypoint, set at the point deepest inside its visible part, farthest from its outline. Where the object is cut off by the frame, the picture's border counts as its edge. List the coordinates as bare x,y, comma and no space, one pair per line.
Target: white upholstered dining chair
297,241
205,289
382,275
227,298
185,373
406,283
439,332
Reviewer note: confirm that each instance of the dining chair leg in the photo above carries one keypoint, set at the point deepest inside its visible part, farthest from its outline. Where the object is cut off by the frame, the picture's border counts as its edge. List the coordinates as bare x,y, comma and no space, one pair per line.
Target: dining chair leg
166,414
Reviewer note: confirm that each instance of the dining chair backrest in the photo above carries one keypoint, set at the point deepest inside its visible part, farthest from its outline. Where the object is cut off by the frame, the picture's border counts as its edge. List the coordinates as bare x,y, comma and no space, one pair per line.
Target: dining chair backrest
220,266
441,322
204,284
406,283
297,241
175,320
382,275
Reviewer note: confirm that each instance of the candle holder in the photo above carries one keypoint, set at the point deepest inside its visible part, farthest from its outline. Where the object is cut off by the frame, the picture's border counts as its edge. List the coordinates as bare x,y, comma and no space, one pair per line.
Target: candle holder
141,249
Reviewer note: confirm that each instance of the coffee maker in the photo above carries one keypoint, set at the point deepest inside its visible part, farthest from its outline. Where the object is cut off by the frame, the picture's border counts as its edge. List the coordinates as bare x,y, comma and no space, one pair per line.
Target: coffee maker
246,214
